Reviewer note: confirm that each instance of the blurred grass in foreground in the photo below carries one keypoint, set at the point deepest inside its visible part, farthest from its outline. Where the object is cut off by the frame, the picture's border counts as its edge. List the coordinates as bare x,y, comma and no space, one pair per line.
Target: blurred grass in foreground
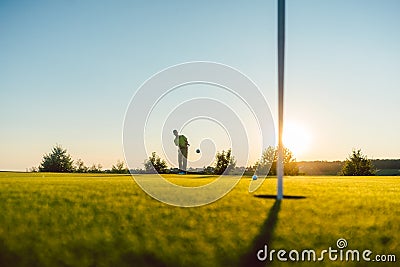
51,219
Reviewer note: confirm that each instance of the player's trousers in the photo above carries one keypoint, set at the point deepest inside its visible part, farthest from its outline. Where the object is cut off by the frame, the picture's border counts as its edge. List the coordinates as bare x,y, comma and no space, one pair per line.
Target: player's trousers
182,158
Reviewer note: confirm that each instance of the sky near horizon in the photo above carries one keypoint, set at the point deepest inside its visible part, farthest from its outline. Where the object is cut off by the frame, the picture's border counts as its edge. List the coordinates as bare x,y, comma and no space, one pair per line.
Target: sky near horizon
68,70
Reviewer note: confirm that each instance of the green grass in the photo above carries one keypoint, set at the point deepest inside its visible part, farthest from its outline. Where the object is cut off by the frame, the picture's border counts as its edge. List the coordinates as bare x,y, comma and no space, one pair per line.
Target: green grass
107,220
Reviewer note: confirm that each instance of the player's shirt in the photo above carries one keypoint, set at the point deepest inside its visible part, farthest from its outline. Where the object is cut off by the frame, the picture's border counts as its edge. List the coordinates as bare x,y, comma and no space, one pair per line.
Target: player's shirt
181,141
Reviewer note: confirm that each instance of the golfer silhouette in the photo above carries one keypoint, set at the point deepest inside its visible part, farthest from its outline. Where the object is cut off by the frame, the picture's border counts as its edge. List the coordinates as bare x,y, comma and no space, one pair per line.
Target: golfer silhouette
182,143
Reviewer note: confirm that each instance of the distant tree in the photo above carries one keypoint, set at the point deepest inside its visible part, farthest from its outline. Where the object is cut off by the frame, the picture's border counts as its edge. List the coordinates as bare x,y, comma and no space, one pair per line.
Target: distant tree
224,162
358,165
269,159
80,166
58,160
267,163
209,170
289,163
96,168
119,167
154,164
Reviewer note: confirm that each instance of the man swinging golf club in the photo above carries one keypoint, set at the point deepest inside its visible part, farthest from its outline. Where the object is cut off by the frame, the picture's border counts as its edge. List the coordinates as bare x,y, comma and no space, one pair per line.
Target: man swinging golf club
182,143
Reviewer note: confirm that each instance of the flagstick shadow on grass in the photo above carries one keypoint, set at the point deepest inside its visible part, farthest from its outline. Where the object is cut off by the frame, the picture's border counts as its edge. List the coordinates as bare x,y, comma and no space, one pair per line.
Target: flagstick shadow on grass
285,196
263,238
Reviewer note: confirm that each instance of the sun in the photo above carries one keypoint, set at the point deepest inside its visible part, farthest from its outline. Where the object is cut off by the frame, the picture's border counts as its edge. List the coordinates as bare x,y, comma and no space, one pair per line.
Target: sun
296,138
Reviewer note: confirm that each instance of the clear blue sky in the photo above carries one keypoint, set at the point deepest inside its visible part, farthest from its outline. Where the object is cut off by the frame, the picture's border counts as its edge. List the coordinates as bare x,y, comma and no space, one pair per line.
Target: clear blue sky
68,69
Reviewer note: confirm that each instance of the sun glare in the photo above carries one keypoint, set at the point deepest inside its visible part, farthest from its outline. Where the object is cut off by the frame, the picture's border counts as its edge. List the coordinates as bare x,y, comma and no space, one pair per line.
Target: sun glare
296,138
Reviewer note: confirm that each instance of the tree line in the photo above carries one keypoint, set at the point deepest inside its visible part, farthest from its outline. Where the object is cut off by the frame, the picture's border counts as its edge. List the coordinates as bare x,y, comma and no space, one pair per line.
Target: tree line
373,167
58,160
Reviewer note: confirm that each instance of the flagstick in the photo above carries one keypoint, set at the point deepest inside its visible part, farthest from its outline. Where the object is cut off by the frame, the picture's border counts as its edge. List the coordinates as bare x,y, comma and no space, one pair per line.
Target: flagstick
281,67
